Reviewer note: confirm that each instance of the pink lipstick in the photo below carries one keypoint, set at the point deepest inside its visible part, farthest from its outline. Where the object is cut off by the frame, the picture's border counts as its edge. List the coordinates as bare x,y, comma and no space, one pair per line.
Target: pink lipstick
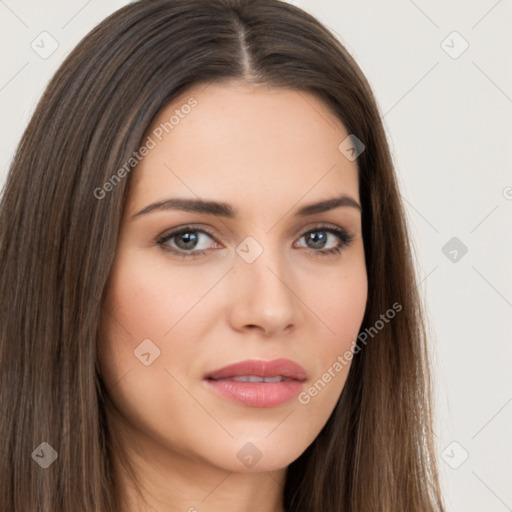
258,383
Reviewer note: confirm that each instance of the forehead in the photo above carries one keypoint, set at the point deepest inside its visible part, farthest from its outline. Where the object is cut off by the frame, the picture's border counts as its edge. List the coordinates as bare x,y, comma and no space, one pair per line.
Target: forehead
238,142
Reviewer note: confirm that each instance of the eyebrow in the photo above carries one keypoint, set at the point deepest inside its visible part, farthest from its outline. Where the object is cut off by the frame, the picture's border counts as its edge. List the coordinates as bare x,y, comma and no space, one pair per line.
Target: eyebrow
226,210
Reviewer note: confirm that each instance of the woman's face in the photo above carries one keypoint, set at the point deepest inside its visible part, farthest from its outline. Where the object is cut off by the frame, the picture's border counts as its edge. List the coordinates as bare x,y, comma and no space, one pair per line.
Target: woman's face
250,279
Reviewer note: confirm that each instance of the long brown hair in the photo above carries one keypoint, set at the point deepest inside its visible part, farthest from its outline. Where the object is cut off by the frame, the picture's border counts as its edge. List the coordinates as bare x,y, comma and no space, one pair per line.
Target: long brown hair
57,244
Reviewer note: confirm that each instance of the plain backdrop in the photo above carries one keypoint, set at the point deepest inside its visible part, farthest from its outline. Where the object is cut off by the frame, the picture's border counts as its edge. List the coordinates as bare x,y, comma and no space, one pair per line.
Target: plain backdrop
442,75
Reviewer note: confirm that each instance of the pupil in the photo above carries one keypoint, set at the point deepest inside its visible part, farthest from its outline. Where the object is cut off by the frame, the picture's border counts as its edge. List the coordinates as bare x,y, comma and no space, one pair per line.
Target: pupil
318,240
188,240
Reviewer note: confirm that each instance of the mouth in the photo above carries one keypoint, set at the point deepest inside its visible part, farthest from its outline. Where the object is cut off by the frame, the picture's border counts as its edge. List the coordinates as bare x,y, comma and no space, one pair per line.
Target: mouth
258,383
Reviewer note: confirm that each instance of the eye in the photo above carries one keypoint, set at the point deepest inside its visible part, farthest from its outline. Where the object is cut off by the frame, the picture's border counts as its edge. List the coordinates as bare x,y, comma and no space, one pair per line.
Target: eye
187,241
321,236
190,241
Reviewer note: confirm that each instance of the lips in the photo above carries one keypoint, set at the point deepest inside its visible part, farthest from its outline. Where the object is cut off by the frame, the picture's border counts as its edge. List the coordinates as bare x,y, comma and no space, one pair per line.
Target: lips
262,369
257,383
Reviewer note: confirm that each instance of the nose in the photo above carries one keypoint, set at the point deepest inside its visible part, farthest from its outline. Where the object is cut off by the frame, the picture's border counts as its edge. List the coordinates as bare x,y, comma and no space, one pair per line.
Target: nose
263,297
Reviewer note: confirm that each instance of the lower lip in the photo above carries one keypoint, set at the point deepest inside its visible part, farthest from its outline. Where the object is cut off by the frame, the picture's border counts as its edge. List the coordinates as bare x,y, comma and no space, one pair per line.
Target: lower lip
257,394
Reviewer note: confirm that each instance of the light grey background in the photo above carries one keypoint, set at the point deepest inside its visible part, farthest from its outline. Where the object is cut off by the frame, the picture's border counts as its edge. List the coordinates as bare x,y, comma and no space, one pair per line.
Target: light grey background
448,118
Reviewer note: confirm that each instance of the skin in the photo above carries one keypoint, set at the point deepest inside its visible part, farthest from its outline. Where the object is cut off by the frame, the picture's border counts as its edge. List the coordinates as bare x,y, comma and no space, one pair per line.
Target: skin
266,152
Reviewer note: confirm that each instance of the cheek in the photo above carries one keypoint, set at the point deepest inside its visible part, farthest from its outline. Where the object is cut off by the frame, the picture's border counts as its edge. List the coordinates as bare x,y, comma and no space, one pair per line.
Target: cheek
150,300
141,307
338,299
339,303
345,303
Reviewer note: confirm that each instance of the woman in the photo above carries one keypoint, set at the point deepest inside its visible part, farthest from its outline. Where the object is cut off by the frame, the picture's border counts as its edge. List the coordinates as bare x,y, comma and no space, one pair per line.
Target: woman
209,297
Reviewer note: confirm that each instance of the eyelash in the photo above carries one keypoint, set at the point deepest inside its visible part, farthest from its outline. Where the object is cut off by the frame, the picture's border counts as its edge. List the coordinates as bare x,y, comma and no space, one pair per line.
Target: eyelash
345,238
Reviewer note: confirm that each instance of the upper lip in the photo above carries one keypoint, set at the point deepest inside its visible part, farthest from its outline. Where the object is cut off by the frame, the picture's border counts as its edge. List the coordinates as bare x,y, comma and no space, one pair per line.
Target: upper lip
260,368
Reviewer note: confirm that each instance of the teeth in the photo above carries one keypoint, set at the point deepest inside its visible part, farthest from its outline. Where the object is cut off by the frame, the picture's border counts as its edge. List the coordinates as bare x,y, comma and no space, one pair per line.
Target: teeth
275,379
248,378
255,378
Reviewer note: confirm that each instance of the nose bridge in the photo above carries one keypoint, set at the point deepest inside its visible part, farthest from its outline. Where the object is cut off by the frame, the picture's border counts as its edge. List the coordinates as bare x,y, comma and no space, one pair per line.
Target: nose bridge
260,259
263,284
